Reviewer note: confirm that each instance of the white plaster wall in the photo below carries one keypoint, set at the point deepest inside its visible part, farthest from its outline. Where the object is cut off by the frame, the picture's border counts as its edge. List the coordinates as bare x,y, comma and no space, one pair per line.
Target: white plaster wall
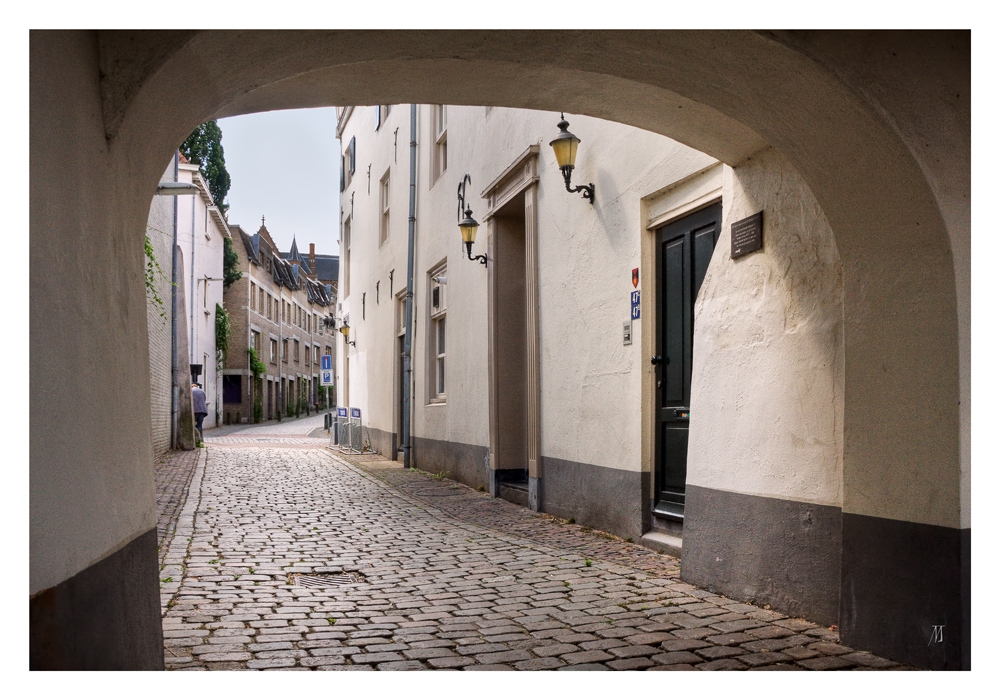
591,407
159,229
767,394
208,237
91,487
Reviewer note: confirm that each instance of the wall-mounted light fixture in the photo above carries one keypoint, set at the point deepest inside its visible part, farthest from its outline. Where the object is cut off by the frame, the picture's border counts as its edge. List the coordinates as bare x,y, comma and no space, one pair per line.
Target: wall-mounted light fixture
175,188
346,331
467,226
564,146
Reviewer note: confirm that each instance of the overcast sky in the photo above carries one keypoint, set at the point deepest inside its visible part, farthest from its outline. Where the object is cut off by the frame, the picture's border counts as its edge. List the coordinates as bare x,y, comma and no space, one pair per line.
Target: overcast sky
285,166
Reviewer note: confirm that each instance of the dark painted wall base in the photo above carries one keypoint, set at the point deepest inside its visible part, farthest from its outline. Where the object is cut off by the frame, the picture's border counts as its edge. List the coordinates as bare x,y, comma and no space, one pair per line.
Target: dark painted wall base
464,463
907,591
764,550
600,497
381,441
106,618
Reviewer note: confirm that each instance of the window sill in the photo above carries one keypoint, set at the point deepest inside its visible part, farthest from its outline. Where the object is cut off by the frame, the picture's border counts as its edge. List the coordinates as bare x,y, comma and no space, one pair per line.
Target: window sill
438,402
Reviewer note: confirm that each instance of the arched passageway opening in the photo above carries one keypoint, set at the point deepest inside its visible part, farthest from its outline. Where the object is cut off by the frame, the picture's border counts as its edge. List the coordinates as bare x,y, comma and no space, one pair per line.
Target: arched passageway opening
877,124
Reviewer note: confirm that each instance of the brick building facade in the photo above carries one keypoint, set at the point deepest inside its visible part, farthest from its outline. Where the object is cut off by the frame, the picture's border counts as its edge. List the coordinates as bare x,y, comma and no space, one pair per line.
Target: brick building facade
277,309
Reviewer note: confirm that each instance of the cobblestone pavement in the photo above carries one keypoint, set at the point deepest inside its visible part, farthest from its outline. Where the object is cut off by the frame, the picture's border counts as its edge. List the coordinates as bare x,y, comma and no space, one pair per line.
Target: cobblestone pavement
437,576
173,472
299,433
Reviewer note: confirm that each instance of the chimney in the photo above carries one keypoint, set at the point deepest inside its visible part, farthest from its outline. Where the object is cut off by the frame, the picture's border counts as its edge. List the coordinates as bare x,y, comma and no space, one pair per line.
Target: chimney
312,257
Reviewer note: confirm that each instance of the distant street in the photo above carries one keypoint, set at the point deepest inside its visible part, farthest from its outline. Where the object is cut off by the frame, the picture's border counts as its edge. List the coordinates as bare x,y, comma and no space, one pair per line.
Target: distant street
403,570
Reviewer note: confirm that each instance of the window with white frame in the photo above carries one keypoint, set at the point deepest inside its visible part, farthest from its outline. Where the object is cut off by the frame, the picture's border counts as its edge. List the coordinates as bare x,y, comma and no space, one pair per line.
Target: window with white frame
437,334
439,157
346,245
383,198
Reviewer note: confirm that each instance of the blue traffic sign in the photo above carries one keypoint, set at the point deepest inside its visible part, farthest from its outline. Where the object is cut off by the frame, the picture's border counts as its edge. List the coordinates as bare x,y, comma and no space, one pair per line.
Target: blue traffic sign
326,362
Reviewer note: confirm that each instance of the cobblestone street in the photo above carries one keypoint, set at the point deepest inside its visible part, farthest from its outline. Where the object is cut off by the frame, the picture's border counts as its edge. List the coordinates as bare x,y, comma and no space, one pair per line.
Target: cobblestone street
425,574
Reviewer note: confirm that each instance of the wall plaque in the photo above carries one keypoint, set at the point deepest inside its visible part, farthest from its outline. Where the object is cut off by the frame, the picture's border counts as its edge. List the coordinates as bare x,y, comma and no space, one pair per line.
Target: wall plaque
748,235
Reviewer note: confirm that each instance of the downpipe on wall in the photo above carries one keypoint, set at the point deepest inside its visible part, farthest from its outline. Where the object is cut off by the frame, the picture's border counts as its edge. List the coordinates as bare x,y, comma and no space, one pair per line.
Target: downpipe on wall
408,332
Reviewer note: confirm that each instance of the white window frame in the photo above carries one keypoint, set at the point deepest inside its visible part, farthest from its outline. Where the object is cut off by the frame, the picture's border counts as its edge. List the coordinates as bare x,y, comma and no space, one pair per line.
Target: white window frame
436,327
439,158
383,198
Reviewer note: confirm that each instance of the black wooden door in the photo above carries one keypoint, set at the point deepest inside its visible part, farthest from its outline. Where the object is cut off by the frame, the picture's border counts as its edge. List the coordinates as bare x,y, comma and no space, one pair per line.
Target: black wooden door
685,250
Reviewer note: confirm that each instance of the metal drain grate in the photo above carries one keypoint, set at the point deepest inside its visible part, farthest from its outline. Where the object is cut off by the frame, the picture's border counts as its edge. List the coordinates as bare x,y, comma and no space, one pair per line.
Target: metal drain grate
325,580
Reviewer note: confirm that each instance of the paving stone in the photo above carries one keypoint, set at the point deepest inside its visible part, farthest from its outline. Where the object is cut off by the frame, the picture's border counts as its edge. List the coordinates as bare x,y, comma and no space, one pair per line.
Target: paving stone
673,667
633,664
376,658
270,663
584,667
676,657
633,651
401,666
830,649
684,644
649,638
863,658
730,639
776,667
538,664
490,667
721,665
763,658
719,652
451,661
799,652
826,663
431,653
502,657
586,657
603,644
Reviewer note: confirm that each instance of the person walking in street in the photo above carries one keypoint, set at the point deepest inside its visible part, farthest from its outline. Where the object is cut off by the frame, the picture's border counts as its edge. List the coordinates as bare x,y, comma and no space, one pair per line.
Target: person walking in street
200,405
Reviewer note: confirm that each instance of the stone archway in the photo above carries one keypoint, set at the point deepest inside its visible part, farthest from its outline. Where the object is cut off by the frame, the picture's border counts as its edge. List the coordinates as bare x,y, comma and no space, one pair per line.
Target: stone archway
876,123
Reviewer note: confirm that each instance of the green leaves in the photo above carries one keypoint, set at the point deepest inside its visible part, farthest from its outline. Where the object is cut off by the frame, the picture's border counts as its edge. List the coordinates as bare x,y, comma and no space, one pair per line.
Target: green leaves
222,332
204,148
230,262
153,270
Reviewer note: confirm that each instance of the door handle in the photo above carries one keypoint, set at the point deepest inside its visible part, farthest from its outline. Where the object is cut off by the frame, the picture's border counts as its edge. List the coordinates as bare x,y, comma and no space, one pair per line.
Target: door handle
657,359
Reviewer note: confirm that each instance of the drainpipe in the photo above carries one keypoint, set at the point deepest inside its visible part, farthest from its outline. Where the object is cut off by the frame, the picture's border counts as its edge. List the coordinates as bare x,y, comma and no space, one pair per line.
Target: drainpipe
193,290
174,386
281,345
408,333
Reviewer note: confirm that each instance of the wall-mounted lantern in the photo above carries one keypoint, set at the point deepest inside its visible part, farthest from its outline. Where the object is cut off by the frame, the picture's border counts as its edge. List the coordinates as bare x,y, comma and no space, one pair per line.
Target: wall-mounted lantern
346,331
467,226
565,145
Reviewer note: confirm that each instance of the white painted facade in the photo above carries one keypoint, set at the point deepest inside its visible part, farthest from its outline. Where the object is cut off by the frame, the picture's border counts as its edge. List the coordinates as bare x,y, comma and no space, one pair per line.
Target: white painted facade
767,388
201,230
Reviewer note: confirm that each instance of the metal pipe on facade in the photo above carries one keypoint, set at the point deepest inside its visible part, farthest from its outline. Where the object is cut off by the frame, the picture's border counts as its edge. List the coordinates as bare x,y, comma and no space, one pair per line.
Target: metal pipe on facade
192,290
174,386
408,331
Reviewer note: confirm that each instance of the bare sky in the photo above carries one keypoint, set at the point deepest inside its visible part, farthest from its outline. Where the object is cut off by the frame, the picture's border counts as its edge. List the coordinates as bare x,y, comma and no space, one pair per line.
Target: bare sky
285,166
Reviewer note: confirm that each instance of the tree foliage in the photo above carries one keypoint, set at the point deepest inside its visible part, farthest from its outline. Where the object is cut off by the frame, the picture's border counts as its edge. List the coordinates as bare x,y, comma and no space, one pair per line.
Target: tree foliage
230,261
204,148
222,333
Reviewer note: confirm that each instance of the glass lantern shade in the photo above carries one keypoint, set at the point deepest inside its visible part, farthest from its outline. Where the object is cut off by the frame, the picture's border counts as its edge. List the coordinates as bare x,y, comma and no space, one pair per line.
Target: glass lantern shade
565,149
468,227
346,330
